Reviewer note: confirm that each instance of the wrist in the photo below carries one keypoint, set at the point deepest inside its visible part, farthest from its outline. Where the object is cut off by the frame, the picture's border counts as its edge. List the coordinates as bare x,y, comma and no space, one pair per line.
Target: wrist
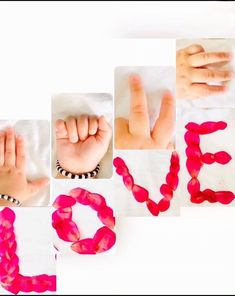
8,200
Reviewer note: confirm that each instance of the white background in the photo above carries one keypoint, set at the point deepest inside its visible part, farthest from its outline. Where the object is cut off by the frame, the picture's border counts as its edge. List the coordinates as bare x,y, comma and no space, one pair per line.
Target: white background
48,48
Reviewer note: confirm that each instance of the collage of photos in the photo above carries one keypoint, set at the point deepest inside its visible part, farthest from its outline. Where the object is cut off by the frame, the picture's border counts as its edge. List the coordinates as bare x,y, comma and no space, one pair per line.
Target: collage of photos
161,141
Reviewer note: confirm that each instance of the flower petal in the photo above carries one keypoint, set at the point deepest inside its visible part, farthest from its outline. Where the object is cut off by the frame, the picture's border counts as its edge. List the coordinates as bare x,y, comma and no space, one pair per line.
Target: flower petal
193,186
224,197
104,239
166,191
84,247
211,127
61,214
64,201
209,195
122,171
191,138
81,195
140,193
8,215
119,162
193,127
197,199
68,231
106,217
193,165
208,158
153,207
96,201
222,157
128,182
172,180
164,204
193,151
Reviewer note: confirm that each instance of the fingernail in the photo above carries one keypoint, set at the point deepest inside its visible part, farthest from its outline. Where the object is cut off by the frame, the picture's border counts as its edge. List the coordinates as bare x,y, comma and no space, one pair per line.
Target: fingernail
134,78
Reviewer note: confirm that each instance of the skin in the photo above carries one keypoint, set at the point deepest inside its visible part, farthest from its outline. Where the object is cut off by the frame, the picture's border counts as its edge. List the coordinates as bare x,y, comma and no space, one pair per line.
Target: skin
81,142
13,181
194,71
135,133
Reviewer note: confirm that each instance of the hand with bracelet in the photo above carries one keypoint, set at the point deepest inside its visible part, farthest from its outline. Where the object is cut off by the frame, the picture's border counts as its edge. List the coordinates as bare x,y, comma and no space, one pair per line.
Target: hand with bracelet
81,144
15,189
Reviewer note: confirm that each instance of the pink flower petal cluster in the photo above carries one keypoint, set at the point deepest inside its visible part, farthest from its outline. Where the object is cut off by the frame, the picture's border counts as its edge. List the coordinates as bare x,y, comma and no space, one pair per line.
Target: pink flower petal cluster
141,194
196,159
10,277
104,238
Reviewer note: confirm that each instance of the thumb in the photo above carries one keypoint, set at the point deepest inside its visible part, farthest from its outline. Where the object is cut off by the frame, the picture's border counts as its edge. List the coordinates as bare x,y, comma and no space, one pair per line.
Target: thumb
104,130
36,185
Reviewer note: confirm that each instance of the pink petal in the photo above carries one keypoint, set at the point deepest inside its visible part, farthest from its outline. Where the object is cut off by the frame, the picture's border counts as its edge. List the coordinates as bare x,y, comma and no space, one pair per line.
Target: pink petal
119,162
68,231
164,204
193,186
64,201
104,239
96,201
209,195
191,138
193,151
60,215
128,182
208,158
166,191
84,246
197,198
174,158
192,126
193,165
222,157
140,193
52,283
106,217
174,168
172,180
26,284
122,171
81,195
211,127
224,197
153,207
8,215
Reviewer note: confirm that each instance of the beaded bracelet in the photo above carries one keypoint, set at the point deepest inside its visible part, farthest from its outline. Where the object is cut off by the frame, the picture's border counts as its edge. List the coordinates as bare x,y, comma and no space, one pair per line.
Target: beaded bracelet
11,199
88,175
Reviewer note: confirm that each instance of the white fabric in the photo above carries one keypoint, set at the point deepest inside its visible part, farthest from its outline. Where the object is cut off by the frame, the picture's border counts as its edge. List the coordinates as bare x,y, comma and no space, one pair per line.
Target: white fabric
216,176
64,105
36,134
226,100
34,249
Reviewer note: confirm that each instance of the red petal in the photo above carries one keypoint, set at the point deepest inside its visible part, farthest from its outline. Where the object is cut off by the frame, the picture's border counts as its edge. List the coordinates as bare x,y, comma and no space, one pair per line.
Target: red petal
104,239
122,171
211,127
174,158
119,162
96,201
193,165
209,195
172,180
222,157
166,191
208,158
140,193
193,151
224,197
68,231
8,215
106,217
52,283
26,284
192,126
84,246
128,182
193,186
64,201
81,195
153,207
191,138
197,198
174,168
61,214
164,204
